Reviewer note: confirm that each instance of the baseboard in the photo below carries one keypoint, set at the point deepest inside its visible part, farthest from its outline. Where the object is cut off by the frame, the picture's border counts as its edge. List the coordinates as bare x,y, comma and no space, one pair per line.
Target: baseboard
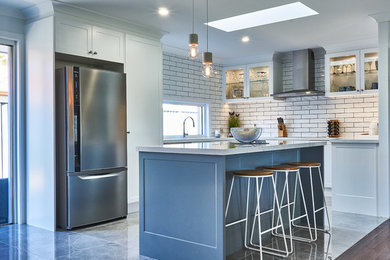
133,207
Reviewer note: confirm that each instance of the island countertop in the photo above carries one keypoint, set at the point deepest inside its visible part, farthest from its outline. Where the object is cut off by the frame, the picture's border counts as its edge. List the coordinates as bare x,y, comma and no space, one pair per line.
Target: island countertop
228,148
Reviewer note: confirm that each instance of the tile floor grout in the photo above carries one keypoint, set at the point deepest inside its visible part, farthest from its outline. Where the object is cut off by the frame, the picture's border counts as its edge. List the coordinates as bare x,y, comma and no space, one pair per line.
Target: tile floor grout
119,240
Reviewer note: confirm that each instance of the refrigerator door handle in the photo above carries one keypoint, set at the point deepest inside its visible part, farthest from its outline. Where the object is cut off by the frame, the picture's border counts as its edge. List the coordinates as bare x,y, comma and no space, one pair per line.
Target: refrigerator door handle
99,176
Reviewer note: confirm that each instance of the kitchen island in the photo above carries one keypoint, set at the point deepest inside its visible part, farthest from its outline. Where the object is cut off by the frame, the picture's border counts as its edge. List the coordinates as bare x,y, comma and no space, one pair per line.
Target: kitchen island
183,191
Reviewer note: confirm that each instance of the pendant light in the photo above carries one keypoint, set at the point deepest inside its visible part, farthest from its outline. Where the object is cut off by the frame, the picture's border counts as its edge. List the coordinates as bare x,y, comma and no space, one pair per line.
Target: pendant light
207,57
193,39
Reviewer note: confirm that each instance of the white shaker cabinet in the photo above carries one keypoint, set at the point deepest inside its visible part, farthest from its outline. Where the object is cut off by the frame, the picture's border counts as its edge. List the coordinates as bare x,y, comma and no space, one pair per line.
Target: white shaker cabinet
73,37
79,38
354,177
144,103
108,44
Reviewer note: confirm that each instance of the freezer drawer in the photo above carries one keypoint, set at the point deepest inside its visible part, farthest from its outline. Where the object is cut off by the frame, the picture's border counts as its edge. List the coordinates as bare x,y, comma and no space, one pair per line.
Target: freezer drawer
96,197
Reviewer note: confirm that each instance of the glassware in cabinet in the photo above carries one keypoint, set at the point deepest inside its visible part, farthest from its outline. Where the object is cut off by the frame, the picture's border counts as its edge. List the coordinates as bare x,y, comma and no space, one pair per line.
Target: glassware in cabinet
259,81
342,72
234,83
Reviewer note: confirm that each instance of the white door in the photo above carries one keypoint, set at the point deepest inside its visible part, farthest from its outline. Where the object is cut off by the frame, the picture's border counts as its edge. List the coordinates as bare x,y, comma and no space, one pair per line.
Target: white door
144,102
108,44
73,37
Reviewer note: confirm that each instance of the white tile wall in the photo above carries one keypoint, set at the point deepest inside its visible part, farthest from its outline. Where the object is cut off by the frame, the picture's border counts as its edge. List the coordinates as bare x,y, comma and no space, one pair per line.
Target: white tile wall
183,80
304,116
307,116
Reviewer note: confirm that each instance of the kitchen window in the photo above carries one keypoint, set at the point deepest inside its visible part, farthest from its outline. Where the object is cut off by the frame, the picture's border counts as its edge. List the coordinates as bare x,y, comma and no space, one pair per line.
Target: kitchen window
174,114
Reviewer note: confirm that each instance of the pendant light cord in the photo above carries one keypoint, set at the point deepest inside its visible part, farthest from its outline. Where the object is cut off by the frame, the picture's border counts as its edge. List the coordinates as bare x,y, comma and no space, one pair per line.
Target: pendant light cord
193,14
207,20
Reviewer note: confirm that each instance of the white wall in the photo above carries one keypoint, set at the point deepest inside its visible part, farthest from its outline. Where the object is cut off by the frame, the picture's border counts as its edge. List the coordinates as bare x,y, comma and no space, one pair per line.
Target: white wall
384,122
40,161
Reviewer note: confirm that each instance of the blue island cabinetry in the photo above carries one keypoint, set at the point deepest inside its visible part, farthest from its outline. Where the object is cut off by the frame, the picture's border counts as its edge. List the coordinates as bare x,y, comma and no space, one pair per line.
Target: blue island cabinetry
183,194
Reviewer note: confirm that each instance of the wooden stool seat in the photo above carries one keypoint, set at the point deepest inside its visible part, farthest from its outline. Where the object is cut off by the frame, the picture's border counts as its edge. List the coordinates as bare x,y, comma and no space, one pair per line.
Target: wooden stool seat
282,167
305,164
253,173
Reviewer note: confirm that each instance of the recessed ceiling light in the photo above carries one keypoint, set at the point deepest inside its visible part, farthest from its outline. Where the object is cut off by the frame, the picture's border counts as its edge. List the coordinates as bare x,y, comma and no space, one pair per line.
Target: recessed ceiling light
245,39
263,17
163,11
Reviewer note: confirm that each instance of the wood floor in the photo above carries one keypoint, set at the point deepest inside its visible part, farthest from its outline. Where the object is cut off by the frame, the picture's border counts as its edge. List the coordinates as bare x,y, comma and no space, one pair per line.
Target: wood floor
374,246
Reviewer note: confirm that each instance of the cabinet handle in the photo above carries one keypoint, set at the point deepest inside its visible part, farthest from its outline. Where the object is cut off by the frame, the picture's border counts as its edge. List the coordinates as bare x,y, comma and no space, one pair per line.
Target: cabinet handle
95,53
90,52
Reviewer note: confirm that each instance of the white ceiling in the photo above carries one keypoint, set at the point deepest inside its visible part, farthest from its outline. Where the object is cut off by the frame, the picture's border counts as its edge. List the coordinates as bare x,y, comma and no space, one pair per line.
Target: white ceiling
20,4
340,24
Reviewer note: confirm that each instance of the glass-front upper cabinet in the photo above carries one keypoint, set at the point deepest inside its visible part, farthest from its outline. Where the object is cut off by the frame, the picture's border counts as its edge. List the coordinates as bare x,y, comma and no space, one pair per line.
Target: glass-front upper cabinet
342,73
369,68
259,81
351,72
234,83
252,81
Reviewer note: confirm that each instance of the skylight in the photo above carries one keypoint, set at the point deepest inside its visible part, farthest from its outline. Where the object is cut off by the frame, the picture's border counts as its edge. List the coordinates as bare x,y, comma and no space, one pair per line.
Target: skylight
263,17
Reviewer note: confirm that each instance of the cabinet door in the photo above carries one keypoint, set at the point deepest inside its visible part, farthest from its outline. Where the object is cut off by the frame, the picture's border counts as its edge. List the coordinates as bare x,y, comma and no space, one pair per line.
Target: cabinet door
259,80
234,79
73,37
369,70
341,73
354,178
108,44
144,102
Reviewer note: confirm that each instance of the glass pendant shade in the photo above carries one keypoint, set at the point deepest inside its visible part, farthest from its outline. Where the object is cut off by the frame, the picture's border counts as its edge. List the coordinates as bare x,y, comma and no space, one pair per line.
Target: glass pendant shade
207,64
207,70
193,43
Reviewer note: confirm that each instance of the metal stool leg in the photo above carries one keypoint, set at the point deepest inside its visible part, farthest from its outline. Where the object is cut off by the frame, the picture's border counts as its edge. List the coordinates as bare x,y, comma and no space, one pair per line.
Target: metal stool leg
313,204
258,213
247,212
325,207
288,204
230,195
315,211
293,218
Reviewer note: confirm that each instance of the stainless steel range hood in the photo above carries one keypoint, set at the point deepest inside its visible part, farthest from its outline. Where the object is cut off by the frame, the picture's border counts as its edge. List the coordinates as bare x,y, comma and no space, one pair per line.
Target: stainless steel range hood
303,75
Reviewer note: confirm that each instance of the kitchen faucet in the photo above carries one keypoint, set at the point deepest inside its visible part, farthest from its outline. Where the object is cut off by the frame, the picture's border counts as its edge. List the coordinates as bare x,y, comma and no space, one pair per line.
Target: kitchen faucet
184,125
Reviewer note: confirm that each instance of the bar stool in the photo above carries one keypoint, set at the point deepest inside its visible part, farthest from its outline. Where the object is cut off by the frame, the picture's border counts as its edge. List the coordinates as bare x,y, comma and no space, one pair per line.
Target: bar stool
311,166
259,175
287,170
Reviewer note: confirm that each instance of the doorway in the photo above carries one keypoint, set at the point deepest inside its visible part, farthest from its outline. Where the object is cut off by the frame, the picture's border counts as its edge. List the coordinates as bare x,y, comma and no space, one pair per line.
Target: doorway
6,79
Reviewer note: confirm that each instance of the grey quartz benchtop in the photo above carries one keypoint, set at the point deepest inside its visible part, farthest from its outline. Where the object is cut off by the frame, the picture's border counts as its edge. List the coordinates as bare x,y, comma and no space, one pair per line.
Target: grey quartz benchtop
228,148
363,139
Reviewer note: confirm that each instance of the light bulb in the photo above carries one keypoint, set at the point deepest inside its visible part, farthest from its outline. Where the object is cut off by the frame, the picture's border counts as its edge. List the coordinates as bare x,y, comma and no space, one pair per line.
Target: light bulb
193,52
207,70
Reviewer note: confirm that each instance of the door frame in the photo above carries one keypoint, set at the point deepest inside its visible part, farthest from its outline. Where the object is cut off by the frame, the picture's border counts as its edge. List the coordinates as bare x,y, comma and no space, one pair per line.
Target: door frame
16,127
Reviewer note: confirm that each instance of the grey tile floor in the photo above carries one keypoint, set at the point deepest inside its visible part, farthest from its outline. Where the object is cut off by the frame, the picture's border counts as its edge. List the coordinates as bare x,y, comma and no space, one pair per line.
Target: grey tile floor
119,240
114,240
347,229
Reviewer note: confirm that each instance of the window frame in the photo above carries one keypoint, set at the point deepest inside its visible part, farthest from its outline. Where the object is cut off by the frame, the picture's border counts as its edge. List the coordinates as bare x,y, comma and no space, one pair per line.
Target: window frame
204,119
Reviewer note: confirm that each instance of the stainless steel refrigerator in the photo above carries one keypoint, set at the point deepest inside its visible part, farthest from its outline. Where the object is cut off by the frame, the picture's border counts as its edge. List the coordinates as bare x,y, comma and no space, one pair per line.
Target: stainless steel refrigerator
91,171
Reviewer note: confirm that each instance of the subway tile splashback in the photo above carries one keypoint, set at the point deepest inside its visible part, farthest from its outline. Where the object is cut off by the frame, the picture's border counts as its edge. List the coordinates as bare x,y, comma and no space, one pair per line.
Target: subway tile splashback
307,116
304,116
